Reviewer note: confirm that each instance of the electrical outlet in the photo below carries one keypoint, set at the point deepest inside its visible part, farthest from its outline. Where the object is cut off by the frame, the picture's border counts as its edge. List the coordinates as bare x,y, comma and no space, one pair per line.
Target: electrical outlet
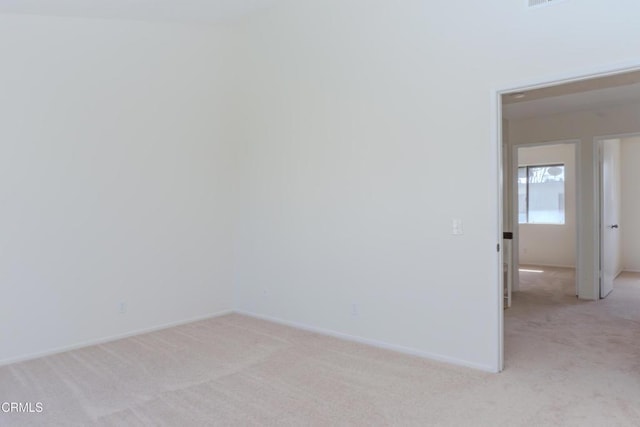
355,310
122,308
457,229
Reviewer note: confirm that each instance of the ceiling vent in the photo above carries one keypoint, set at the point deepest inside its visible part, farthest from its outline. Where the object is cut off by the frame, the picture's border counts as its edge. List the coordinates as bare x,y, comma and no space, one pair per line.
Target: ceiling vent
536,3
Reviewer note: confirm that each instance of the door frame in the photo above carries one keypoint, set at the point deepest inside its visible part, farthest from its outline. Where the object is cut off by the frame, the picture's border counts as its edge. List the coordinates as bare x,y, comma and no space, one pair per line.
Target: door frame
598,202
578,202
497,138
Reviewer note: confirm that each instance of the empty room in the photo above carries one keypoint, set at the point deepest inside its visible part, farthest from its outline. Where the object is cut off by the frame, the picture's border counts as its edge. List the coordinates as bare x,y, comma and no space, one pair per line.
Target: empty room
284,212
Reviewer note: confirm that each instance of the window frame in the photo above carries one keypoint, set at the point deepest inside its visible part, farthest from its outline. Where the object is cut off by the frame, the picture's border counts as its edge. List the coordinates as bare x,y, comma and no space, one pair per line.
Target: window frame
542,165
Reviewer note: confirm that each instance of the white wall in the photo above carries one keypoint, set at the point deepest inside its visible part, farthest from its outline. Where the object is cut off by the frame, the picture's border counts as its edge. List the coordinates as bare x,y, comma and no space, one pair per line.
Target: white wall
584,126
115,179
630,221
551,244
371,127
363,128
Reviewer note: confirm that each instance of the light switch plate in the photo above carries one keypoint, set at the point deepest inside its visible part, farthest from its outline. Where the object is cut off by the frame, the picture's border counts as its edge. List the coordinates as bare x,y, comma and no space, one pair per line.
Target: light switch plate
457,228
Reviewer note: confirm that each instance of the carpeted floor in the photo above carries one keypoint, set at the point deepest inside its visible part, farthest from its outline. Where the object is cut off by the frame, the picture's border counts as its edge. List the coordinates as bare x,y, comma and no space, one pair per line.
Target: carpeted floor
567,363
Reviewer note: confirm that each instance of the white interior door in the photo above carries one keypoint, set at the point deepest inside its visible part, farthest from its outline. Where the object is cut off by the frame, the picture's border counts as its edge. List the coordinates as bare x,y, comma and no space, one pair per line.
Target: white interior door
610,259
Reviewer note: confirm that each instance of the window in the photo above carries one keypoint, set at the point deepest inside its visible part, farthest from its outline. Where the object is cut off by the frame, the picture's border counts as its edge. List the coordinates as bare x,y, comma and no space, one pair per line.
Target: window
541,194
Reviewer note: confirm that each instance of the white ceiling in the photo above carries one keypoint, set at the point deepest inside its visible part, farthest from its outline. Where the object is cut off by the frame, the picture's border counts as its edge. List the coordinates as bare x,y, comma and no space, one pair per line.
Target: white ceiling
592,94
147,10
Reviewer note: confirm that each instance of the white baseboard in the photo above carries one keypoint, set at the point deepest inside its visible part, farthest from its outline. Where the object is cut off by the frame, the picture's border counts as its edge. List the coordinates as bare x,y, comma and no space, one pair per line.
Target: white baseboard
110,338
629,270
373,343
322,331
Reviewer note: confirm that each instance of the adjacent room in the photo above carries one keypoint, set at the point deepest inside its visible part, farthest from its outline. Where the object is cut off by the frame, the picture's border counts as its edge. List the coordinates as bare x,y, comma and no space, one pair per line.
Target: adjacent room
547,238
548,133
284,212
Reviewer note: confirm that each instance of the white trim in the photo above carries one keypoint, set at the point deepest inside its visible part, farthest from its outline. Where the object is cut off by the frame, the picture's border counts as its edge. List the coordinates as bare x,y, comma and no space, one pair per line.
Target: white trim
513,211
370,342
621,67
105,340
617,136
629,270
597,236
328,332
579,218
498,138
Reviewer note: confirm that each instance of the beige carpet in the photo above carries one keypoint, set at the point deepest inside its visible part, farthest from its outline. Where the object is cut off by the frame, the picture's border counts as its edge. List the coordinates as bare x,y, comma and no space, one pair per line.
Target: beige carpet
568,363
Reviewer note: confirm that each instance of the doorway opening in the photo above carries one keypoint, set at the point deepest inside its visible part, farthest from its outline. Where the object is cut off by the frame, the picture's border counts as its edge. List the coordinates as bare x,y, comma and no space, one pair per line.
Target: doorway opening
544,217
570,112
618,210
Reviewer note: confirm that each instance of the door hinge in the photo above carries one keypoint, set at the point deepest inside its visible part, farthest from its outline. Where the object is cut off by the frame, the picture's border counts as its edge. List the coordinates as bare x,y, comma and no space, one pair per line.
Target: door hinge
498,247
